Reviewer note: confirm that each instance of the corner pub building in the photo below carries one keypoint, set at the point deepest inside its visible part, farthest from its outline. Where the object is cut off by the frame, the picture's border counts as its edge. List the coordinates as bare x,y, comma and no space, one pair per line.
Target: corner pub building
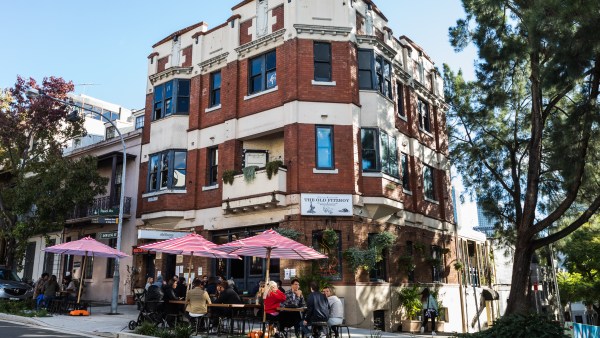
307,115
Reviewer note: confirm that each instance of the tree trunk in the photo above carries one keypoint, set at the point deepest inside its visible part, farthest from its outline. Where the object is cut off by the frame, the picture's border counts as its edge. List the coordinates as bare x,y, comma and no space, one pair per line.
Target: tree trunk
518,299
9,253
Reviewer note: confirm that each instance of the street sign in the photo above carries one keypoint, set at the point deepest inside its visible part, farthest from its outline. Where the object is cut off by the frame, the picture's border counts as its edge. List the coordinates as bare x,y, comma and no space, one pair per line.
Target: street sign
108,235
105,220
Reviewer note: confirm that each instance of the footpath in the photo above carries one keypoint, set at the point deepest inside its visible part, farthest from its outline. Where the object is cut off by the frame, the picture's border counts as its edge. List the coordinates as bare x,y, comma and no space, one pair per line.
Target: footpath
102,324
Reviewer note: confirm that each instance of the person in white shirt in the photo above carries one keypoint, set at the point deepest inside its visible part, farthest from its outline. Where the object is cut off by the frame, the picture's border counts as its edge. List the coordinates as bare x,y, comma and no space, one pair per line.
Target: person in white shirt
336,309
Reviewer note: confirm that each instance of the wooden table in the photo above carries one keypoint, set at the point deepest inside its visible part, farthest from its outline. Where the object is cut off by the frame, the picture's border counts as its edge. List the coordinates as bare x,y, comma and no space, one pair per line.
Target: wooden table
178,301
291,309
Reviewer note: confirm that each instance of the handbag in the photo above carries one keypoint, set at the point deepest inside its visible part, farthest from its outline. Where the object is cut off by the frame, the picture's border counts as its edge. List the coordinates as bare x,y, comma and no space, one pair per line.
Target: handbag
431,313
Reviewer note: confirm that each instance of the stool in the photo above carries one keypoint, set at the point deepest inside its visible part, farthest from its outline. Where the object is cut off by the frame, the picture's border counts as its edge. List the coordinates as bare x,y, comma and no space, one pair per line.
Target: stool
336,328
198,317
317,327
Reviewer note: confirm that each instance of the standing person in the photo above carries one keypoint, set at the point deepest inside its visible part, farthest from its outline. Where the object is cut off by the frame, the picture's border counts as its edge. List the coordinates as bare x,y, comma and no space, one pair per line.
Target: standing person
336,309
430,310
38,293
273,298
197,300
50,290
317,309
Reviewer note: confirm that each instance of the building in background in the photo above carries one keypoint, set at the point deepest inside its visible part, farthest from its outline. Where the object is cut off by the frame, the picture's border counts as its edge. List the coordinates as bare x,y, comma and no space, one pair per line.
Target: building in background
486,223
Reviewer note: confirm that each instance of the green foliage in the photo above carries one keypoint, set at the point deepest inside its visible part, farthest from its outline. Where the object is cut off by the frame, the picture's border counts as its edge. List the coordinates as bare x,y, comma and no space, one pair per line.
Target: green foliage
33,132
289,233
407,263
228,176
523,135
367,259
305,279
521,326
21,308
272,168
459,265
249,173
147,329
330,238
183,330
375,334
410,301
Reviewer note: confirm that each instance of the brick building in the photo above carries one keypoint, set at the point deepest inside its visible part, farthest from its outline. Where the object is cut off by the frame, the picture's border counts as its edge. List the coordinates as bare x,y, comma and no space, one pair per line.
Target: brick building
351,115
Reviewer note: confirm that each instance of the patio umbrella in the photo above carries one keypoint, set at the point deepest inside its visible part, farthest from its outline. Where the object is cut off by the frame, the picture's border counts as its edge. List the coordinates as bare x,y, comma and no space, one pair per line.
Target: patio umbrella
269,244
189,245
84,247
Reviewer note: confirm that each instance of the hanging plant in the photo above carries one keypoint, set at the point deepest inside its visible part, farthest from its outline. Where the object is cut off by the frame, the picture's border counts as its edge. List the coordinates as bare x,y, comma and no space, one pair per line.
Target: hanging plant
419,247
228,176
289,233
433,261
383,240
407,263
358,258
458,265
445,251
330,238
249,173
272,168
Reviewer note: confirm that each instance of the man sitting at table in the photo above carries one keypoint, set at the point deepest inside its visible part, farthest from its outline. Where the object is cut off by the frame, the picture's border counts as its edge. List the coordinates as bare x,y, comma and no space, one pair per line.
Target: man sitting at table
317,309
70,287
293,299
336,309
226,296
197,300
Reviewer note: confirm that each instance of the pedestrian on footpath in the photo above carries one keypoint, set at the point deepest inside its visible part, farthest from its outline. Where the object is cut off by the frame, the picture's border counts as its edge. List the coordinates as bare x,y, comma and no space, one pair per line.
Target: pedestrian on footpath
430,310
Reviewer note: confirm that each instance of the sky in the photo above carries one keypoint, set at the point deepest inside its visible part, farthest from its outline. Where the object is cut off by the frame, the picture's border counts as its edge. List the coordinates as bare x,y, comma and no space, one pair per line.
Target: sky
102,46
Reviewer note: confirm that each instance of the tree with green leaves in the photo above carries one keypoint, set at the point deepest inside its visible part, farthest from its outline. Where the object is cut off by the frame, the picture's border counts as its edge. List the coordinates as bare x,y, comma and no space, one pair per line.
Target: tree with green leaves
581,252
39,187
524,134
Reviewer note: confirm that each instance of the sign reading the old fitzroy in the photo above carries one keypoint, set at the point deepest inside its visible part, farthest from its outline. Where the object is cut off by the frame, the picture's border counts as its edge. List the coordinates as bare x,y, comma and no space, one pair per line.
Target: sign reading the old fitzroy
326,204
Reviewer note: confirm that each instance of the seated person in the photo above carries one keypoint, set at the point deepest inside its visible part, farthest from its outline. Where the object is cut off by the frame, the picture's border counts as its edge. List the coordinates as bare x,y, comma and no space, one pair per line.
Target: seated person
272,300
197,300
70,287
293,299
336,309
51,287
226,296
169,297
317,309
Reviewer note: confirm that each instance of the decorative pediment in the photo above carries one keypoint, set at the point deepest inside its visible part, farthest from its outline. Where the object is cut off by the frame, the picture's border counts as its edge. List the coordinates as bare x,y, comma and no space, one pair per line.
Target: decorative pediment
264,41
322,30
170,72
388,51
207,64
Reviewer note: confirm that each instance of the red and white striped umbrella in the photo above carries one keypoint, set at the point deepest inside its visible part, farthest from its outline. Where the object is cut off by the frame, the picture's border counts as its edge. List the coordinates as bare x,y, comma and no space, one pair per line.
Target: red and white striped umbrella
189,245
270,244
84,247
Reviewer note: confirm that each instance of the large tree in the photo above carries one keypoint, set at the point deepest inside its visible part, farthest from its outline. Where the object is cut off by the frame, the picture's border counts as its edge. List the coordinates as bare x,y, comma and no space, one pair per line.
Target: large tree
38,186
524,134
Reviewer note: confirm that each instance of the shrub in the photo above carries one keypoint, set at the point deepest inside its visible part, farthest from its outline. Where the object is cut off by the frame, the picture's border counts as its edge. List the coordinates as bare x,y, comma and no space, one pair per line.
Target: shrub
410,301
519,326
146,329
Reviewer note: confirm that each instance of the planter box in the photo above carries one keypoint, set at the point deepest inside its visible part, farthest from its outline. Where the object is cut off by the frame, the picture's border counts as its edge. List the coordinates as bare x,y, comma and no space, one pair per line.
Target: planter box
262,192
415,326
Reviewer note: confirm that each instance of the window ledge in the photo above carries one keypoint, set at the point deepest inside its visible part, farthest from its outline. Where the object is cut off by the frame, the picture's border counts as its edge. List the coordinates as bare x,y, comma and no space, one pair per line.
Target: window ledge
210,187
403,117
251,96
209,109
323,83
163,192
425,132
375,91
382,175
431,201
407,192
325,171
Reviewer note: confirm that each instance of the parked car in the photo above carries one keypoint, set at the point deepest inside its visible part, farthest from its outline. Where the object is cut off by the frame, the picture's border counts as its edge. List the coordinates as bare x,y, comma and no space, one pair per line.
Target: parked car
12,287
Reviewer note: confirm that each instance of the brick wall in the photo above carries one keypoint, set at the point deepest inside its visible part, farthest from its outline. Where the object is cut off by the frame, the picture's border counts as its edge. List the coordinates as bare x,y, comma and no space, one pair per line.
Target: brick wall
187,56
162,64
277,13
245,36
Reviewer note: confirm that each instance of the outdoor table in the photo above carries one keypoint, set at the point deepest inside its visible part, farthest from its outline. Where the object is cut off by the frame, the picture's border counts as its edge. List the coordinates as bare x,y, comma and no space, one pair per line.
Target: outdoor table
290,316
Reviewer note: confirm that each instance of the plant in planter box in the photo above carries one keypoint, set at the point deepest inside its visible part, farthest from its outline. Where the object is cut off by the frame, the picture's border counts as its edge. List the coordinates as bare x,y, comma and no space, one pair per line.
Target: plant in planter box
228,176
367,259
249,173
273,167
410,302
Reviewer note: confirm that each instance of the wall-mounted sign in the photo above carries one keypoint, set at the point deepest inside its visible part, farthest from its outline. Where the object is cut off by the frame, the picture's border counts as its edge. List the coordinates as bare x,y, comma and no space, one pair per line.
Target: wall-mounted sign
159,234
105,220
108,235
139,251
109,212
326,204
252,157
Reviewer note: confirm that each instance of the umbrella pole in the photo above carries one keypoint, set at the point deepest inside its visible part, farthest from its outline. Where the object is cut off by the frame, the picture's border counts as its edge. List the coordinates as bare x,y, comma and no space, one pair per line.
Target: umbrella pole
81,278
189,286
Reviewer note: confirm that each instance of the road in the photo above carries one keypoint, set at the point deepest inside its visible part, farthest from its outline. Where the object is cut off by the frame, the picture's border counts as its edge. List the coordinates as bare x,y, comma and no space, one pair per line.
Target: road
16,330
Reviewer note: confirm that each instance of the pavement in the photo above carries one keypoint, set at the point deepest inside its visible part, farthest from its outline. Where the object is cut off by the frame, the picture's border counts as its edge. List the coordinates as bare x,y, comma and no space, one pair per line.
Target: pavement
102,324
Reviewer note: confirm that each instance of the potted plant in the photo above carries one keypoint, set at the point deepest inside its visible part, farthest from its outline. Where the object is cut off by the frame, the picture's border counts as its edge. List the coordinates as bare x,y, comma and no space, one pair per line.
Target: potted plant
410,302
132,274
249,173
228,176
272,168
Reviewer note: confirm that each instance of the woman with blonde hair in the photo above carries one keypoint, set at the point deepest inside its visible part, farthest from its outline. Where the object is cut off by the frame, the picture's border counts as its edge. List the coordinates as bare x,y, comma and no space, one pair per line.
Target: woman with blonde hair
273,298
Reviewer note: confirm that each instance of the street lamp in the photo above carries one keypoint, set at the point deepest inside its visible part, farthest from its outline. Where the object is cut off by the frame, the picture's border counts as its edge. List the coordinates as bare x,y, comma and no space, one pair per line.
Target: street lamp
74,116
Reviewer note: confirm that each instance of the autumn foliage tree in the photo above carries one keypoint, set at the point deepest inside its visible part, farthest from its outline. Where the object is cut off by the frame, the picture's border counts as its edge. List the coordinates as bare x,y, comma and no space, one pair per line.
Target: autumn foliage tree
525,133
38,186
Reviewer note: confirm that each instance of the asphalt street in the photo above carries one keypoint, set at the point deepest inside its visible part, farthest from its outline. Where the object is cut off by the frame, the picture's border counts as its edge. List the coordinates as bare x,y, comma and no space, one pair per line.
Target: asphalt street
17,330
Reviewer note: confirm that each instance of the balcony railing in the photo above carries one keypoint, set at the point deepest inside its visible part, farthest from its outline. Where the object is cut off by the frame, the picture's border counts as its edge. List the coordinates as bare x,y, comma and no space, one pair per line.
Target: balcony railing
262,192
103,206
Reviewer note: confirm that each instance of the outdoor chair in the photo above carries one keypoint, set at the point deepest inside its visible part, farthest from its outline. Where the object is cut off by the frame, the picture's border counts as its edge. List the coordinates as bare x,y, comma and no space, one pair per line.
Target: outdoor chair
320,329
337,329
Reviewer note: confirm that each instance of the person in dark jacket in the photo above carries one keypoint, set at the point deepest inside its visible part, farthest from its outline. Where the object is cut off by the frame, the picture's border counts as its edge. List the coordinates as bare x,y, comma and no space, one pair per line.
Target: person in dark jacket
155,293
317,308
226,296
211,286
